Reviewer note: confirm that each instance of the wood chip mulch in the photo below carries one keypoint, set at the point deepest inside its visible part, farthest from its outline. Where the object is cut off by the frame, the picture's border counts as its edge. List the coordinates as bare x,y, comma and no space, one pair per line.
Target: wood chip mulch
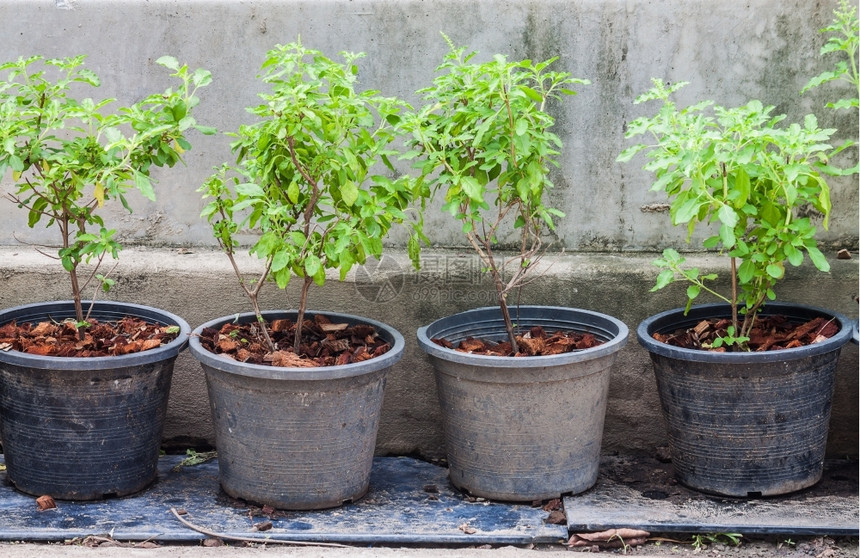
323,343
61,339
769,334
535,342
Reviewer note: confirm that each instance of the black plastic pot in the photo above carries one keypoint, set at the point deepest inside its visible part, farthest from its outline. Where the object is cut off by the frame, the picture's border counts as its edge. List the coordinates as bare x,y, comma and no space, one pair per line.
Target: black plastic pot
745,423
85,428
296,438
523,428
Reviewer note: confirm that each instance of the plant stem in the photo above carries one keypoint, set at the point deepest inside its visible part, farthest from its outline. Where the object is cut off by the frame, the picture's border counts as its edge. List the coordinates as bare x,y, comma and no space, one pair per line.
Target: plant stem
734,303
227,247
501,297
483,245
96,292
261,321
509,327
64,223
76,294
303,304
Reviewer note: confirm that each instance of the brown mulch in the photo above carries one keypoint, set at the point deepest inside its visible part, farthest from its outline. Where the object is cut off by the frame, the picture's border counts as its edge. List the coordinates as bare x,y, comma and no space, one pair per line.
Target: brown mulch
770,333
535,342
61,339
323,343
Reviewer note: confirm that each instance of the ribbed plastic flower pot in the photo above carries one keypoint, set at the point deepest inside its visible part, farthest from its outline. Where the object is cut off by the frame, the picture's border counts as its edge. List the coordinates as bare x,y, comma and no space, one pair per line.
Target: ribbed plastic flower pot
85,428
523,428
745,423
296,438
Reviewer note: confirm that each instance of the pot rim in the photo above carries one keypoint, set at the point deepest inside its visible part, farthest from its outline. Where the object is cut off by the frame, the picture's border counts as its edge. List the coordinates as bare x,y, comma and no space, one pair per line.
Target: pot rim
65,308
322,373
675,319
614,341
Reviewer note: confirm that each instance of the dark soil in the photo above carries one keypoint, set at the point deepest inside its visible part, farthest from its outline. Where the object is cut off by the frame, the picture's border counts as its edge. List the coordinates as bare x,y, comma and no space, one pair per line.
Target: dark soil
61,339
535,342
323,343
769,334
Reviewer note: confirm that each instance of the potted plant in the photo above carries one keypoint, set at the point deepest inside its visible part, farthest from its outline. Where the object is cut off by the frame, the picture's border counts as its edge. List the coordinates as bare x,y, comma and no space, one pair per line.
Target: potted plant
742,419
83,388
844,39
296,428
521,422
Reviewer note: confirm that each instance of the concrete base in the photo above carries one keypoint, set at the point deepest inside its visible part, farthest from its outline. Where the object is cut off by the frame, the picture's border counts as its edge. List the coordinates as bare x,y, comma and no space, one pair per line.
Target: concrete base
199,285
641,492
411,502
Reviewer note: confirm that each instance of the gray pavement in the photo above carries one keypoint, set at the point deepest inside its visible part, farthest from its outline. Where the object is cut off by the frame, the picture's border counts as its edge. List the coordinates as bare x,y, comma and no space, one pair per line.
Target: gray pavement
798,547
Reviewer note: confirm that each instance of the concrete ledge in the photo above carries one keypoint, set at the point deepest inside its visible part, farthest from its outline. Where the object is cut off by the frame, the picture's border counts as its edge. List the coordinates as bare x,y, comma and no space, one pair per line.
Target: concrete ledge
199,285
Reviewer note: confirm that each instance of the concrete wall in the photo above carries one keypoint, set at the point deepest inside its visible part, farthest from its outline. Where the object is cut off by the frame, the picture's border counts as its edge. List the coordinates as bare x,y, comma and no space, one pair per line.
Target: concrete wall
731,51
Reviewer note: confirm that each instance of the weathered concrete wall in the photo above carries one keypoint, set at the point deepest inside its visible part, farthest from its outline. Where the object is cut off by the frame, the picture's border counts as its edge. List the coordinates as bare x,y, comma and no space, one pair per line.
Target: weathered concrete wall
731,51
199,286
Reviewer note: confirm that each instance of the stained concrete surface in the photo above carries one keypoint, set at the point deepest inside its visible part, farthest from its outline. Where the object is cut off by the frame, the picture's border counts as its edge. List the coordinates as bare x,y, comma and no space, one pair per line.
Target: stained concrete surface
412,511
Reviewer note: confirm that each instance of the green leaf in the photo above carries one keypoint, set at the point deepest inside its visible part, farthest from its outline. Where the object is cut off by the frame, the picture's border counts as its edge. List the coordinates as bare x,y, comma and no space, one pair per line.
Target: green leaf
522,126
693,291
686,211
818,258
312,265
35,214
282,277
672,256
742,186
319,277
244,204
727,216
201,77
297,238
280,260
532,94
664,278
250,189
349,193
629,153
16,163
746,271
776,271
711,242
143,185
727,237
168,62
795,256
472,188
293,192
